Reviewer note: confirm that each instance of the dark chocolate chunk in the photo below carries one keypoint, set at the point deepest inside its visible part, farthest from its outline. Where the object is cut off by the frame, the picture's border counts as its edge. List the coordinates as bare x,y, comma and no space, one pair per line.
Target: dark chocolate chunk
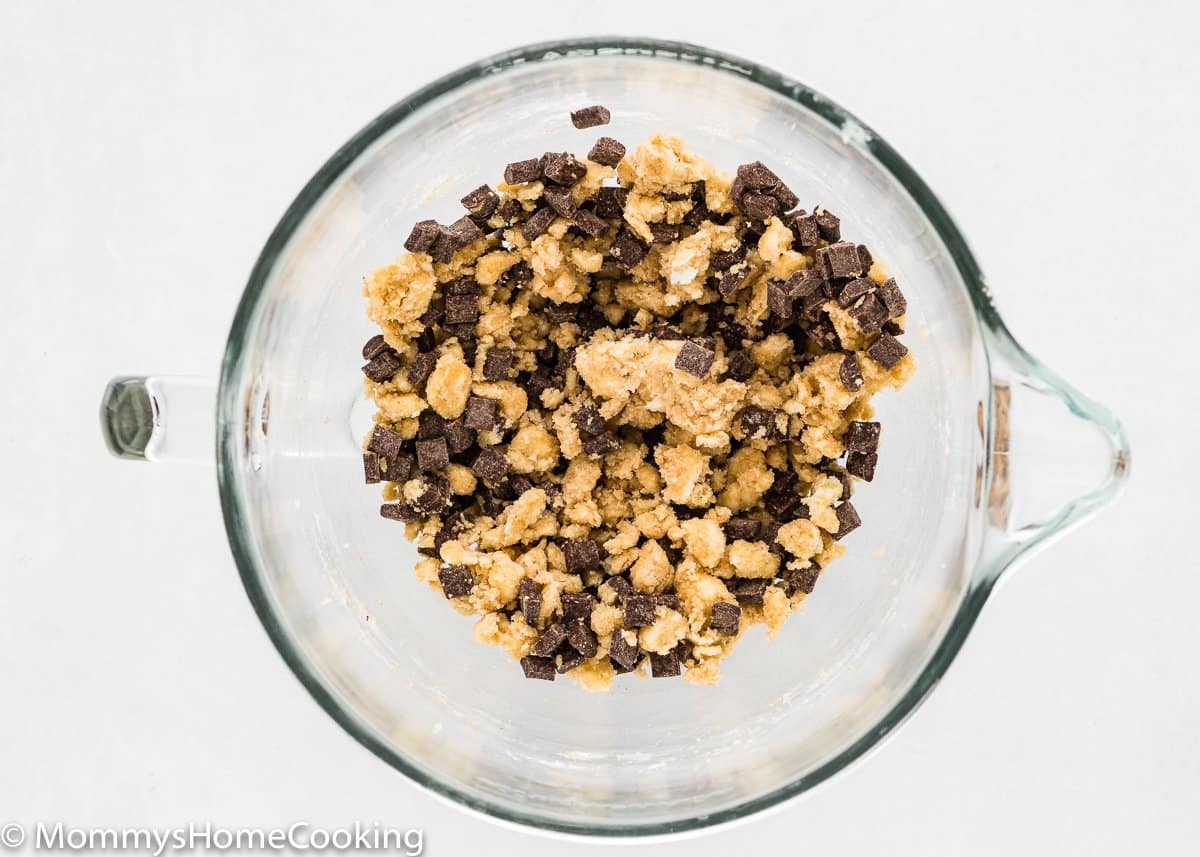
520,272
770,536
432,454
424,233
805,284
539,668
383,367
588,420
462,286
622,587
490,465
463,231
562,168
864,258
623,654
385,442
497,364
398,469
887,351
862,436
893,298
745,529
665,666
784,195
869,314
529,597
559,198
639,611
725,617
581,637
540,381
601,444
550,641
749,590
695,359
568,659
590,117
665,233
511,210
893,327
430,424
581,555
402,512
481,414
848,520
840,260
443,246
481,202
607,152
862,465
726,260
462,309
589,223
854,289
436,496
421,367
610,202
456,580
779,299
374,347
627,249
850,373
520,483
459,438
741,366
806,234
830,225
577,605
668,599
371,470
801,580
561,313
732,280
523,171
537,223
759,206
756,176
757,422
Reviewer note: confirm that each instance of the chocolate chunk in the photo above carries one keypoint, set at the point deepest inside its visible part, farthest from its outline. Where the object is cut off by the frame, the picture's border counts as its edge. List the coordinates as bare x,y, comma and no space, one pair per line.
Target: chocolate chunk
385,442
745,529
463,231
462,309
862,465
770,536
848,520
402,512
639,611
481,414
732,280
519,172
520,272
869,314
830,225
784,195
668,599
421,367
741,366
779,299
862,436
756,176
610,202
424,233
374,347
725,617
806,234
443,246
481,202
726,260
864,258
801,580
824,336
562,168
529,597
627,250
432,454
887,351
757,422
577,605
520,483
430,424
456,580
665,233
382,367
537,223
436,496
622,587
850,373
893,328
581,555
559,198
840,260
540,381
784,502
893,298
695,359
568,660
665,666
749,590
622,653
462,286
601,444
607,152
539,668
561,313
371,470
590,117
588,419
459,438
511,210
490,465
759,206
497,364
589,223
581,638
854,289
550,641
398,469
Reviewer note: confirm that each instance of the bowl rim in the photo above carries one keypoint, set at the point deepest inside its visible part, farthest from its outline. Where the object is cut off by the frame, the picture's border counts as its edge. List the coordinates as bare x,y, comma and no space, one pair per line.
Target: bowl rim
232,406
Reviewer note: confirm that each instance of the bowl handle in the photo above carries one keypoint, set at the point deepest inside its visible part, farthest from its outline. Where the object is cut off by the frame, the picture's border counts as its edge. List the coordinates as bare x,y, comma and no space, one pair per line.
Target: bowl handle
1057,456
160,418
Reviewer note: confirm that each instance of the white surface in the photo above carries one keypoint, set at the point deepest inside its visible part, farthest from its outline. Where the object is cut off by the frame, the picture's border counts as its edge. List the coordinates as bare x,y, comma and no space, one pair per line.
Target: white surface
146,150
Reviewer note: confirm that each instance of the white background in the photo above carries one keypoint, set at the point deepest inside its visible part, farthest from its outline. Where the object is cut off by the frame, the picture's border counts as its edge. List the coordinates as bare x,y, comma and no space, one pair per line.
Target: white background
147,149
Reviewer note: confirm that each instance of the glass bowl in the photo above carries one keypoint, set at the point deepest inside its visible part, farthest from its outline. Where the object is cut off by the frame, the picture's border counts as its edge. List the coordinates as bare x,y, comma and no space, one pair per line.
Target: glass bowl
986,454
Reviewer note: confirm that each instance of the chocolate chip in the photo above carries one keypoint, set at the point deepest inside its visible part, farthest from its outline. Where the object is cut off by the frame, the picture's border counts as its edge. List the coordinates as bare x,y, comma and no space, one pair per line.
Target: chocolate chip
436,496
430,424
432,454
862,436
830,225
784,195
887,351
562,168
561,313
383,367
398,469
801,580
639,611
581,637
539,668
627,250
779,299
732,280
481,202
756,176
550,641
589,223
840,260
622,587
385,442
456,580
607,152
463,231
852,290
749,590
520,272
725,617
497,364
421,367
458,437
519,172
893,298
862,465
577,605
741,366
665,666
806,234
540,381
770,536
745,529
864,258
559,198
892,327
462,309
581,555
371,470
610,202
462,286
848,520
757,422
601,444
443,246
590,117
529,597
869,314
490,465
568,660
588,419
374,347
850,374
759,206
623,654
695,359
520,483
726,260
511,210
537,223
665,233
402,512
424,233
481,414
669,599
